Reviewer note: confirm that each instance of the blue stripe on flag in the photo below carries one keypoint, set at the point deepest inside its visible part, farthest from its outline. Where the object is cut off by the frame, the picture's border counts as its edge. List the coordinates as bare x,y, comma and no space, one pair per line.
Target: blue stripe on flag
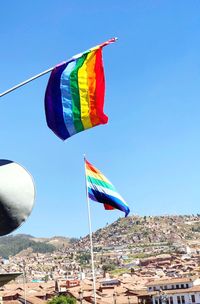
104,198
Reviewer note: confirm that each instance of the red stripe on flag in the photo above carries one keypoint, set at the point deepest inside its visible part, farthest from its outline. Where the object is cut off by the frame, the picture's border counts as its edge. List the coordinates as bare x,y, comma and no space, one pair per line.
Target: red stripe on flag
90,167
108,207
100,87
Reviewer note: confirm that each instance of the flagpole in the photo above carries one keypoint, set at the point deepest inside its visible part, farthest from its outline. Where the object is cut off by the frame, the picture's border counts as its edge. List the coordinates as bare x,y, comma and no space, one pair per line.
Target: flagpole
91,243
26,81
50,69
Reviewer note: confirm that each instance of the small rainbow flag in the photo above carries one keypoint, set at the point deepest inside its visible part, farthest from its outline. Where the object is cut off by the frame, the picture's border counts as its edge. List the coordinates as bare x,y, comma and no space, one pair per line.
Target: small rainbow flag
101,190
74,97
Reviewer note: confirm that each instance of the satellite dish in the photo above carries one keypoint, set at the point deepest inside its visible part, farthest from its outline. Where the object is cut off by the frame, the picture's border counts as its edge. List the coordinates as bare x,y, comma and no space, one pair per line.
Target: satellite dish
17,194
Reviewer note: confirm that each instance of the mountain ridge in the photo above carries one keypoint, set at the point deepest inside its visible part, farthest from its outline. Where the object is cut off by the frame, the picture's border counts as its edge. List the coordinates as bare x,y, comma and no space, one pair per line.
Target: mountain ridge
131,231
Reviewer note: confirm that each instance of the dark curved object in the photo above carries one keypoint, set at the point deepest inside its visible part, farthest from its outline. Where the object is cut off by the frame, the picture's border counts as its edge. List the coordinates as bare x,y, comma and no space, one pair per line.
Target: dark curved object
8,220
5,162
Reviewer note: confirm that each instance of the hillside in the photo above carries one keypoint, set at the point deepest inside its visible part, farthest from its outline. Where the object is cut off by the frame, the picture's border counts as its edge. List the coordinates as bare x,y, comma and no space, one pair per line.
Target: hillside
142,235
12,245
135,231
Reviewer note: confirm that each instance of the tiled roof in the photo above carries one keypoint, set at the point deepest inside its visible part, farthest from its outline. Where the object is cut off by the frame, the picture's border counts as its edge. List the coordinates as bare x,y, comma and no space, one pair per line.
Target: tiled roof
170,281
34,300
12,302
177,291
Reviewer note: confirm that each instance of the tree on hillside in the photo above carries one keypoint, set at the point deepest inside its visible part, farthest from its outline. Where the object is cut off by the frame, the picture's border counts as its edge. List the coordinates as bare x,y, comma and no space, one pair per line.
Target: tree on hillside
62,300
84,258
73,240
108,268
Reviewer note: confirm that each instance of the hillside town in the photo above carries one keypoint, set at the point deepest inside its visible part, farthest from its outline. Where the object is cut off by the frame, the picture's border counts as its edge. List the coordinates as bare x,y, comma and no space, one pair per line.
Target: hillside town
133,264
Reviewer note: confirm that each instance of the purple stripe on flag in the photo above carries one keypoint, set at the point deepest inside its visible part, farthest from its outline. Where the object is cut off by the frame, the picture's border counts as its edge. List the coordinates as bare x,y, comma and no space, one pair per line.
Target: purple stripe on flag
53,103
91,196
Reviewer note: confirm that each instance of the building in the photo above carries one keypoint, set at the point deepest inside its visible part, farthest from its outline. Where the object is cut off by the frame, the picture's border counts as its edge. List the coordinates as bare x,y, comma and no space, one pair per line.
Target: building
175,291
5,278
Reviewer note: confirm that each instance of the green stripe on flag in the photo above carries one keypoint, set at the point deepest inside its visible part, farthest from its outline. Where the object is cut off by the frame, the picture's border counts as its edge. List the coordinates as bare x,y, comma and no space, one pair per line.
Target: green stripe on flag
76,106
101,183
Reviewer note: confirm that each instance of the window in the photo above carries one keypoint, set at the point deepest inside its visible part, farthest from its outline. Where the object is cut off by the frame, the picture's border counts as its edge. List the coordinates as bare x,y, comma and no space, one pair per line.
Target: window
177,286
156,301
165,287
193,298
178,299
172,286
182,285
183,299
171,300
187,286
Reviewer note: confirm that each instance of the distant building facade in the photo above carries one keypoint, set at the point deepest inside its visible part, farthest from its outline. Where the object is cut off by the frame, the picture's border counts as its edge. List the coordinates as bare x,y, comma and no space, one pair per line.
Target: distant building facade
175,291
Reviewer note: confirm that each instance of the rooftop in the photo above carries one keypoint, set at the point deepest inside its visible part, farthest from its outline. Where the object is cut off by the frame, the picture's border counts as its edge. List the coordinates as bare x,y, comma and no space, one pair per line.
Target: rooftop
171,281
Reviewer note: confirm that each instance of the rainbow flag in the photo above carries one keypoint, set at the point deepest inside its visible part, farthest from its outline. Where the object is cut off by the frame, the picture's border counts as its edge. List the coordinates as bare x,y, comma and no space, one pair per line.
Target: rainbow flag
74,97
101,190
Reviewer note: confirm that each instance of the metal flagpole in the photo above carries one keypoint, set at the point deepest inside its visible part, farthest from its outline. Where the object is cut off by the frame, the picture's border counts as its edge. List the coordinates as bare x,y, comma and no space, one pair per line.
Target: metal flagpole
26,81
50,69
91,243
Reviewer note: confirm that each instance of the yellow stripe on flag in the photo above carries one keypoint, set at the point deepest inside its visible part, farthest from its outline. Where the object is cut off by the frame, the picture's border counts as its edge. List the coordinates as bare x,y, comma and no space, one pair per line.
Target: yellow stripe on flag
84,96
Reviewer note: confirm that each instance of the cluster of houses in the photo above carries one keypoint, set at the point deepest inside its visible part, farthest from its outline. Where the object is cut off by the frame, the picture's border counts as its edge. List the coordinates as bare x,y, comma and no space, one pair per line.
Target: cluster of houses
60,265
154,268
123,290
157,231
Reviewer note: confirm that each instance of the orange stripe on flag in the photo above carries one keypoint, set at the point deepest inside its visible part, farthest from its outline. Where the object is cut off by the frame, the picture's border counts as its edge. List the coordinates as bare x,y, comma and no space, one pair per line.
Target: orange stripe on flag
90,167
92,88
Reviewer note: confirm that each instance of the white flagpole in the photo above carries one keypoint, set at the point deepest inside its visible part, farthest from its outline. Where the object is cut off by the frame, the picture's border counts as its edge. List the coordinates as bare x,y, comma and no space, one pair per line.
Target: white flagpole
91,243
26,81
50,69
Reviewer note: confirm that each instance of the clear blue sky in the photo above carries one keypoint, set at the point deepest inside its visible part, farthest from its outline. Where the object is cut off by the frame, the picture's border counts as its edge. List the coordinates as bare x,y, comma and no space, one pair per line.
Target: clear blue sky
150,149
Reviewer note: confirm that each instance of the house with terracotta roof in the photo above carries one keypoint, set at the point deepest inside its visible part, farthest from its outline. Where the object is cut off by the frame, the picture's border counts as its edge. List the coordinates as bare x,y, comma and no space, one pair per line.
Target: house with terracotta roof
175,291
175,283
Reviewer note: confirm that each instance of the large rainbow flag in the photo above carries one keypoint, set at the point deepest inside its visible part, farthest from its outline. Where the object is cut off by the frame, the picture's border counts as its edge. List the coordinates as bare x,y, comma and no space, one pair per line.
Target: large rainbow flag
74,97
101,190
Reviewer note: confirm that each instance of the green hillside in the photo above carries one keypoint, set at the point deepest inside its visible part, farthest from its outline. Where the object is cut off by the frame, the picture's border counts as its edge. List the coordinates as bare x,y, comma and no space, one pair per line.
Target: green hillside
11,245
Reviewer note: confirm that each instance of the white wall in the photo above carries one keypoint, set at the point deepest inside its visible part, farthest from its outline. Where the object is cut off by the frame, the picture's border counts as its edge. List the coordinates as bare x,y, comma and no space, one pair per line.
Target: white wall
169,286
187,297
196,282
